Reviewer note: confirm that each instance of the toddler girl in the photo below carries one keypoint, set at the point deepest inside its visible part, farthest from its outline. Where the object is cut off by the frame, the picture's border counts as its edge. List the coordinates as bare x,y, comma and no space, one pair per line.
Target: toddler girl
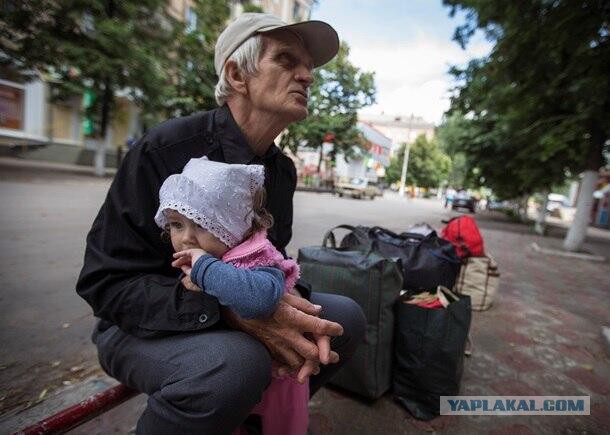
214,213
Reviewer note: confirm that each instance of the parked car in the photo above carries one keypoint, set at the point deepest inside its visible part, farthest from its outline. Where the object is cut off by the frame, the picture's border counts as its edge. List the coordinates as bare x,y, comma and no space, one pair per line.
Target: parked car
358,188
463,200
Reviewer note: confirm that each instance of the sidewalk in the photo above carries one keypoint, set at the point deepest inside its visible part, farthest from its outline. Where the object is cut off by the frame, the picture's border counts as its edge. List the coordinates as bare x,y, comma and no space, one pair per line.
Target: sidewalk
541,337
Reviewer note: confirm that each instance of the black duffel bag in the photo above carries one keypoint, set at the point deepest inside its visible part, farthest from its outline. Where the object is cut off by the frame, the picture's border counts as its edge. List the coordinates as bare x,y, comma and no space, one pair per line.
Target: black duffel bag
427,261
429,347
373,281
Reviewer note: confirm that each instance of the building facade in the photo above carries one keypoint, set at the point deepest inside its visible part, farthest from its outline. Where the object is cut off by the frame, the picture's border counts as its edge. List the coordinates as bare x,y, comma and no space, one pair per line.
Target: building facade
28,118
399,128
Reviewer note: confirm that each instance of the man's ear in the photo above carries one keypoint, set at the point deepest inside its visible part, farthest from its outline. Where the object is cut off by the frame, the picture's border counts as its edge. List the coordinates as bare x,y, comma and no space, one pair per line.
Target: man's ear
236,79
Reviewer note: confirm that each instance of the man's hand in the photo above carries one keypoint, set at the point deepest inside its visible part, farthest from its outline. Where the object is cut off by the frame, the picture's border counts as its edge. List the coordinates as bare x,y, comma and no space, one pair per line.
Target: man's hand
282,334
185,260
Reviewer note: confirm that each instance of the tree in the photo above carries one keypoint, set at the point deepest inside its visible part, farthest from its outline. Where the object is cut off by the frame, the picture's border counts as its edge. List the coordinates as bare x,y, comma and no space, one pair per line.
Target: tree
537,107
339,90
101,47
192,74
428,165
453,136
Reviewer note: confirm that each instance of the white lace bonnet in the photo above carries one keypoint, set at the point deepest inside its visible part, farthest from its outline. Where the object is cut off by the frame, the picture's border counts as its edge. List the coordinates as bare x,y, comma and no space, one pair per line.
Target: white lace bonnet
216,196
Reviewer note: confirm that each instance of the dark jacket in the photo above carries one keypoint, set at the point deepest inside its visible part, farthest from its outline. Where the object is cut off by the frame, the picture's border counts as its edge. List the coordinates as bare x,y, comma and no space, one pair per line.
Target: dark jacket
127,277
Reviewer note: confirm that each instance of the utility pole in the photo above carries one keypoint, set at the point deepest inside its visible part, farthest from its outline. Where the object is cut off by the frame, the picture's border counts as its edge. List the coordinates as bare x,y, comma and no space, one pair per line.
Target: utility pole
405,160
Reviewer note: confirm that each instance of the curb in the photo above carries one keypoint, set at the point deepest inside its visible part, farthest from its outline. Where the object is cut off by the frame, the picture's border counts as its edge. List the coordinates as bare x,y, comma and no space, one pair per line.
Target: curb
566,254
59,399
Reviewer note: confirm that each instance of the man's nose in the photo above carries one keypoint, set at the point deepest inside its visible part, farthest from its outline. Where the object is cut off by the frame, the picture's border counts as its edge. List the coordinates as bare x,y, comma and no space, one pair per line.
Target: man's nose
305,76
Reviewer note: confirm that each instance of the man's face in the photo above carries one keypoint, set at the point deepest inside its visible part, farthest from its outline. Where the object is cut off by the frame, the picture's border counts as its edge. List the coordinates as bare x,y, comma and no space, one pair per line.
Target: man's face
284,77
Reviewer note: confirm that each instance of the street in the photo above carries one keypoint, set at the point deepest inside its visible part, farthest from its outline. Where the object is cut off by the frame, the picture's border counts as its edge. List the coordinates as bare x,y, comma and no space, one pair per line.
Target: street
541,337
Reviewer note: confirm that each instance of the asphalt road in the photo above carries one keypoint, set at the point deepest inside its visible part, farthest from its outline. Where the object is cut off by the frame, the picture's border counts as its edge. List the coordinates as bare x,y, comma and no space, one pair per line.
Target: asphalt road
44,218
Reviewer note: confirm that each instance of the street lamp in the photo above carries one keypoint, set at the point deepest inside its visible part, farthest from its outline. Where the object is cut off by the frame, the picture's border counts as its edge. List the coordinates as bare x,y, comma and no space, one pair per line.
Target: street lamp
405,165
405,160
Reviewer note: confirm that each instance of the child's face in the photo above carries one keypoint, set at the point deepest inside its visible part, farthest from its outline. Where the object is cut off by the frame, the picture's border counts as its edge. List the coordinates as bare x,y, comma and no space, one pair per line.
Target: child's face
186,234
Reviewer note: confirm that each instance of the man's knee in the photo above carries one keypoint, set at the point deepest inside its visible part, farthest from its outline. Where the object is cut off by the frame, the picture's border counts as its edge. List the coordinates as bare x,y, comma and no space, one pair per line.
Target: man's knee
347,313
353,321
227,385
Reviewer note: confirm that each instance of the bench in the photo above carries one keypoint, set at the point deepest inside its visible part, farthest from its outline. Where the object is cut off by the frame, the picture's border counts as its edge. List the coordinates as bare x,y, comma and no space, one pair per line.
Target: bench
82,412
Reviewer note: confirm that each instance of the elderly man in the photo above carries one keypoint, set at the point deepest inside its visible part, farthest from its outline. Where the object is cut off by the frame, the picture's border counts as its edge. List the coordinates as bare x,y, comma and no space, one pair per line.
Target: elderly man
202,366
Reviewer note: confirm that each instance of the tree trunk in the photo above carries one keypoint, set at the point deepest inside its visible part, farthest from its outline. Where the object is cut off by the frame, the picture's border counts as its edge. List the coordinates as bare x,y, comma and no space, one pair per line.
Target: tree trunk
320,157
578,230
522,208
103,145
540,226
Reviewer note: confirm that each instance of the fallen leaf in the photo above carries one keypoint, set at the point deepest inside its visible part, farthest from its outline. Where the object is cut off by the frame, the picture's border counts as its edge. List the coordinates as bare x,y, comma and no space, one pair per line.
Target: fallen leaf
67,383
42,394
75,369
65,325
587,367
55,363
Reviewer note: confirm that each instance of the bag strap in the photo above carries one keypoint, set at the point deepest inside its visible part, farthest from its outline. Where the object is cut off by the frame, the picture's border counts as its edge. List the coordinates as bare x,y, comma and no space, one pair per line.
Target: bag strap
442,256
374,230
460,239
331,236
469,348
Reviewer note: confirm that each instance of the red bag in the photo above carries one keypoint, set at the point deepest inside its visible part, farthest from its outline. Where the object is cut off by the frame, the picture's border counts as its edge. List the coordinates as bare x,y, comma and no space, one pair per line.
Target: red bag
464,234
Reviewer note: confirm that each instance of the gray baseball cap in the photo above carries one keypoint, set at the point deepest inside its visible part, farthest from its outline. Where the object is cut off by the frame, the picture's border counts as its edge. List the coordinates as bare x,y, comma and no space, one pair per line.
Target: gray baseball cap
320,39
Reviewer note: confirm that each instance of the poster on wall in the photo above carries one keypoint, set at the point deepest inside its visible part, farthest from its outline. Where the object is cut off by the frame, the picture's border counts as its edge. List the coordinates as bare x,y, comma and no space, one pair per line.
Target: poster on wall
11,107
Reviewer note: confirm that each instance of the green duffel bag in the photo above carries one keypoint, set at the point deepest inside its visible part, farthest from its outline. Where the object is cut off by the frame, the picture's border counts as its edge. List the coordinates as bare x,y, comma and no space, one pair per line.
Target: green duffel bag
374,282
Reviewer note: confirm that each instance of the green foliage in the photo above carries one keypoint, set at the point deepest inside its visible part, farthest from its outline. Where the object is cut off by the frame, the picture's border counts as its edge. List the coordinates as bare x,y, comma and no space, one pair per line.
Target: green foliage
428,165
536,110
192,67
249,7
340,89
453,137
101,46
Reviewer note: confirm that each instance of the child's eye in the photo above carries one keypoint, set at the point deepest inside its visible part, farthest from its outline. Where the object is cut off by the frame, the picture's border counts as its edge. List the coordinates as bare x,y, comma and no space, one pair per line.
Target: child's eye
175,225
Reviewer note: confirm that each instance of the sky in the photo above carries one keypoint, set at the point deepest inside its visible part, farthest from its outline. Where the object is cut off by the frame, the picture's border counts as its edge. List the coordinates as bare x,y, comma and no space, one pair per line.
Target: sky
409,46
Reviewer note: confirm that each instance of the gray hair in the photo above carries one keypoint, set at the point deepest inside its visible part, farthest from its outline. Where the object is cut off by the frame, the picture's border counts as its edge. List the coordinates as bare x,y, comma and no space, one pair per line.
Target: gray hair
246,57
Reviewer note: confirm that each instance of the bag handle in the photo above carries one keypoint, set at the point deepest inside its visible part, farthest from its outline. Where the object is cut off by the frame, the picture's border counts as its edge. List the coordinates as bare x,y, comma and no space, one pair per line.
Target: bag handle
331,236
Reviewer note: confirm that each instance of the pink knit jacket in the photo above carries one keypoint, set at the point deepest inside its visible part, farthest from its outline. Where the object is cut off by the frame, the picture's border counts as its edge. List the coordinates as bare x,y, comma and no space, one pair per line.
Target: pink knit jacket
283,407
258,251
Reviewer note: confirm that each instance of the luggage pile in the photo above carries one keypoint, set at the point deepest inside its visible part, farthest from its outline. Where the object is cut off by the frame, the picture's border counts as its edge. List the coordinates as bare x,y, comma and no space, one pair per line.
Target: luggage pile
479,277
416,290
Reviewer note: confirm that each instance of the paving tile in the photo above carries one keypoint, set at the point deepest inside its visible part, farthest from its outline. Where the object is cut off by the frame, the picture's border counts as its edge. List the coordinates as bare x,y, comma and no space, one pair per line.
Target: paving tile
513,429
601,415
589,379
513,387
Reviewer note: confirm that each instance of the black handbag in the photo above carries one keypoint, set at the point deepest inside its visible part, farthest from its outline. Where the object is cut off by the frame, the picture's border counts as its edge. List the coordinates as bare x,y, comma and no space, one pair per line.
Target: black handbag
429,348
427,261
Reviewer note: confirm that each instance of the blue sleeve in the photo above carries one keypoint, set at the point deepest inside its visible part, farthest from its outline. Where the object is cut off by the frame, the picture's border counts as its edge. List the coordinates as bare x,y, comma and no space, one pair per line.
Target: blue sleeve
251,293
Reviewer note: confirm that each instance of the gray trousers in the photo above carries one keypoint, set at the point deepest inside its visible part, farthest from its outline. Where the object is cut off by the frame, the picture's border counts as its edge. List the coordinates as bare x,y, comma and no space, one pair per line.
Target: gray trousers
207,382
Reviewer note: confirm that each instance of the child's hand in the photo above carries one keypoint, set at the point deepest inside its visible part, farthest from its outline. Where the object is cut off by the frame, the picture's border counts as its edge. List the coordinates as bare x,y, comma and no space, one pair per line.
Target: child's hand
185,260
189,285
